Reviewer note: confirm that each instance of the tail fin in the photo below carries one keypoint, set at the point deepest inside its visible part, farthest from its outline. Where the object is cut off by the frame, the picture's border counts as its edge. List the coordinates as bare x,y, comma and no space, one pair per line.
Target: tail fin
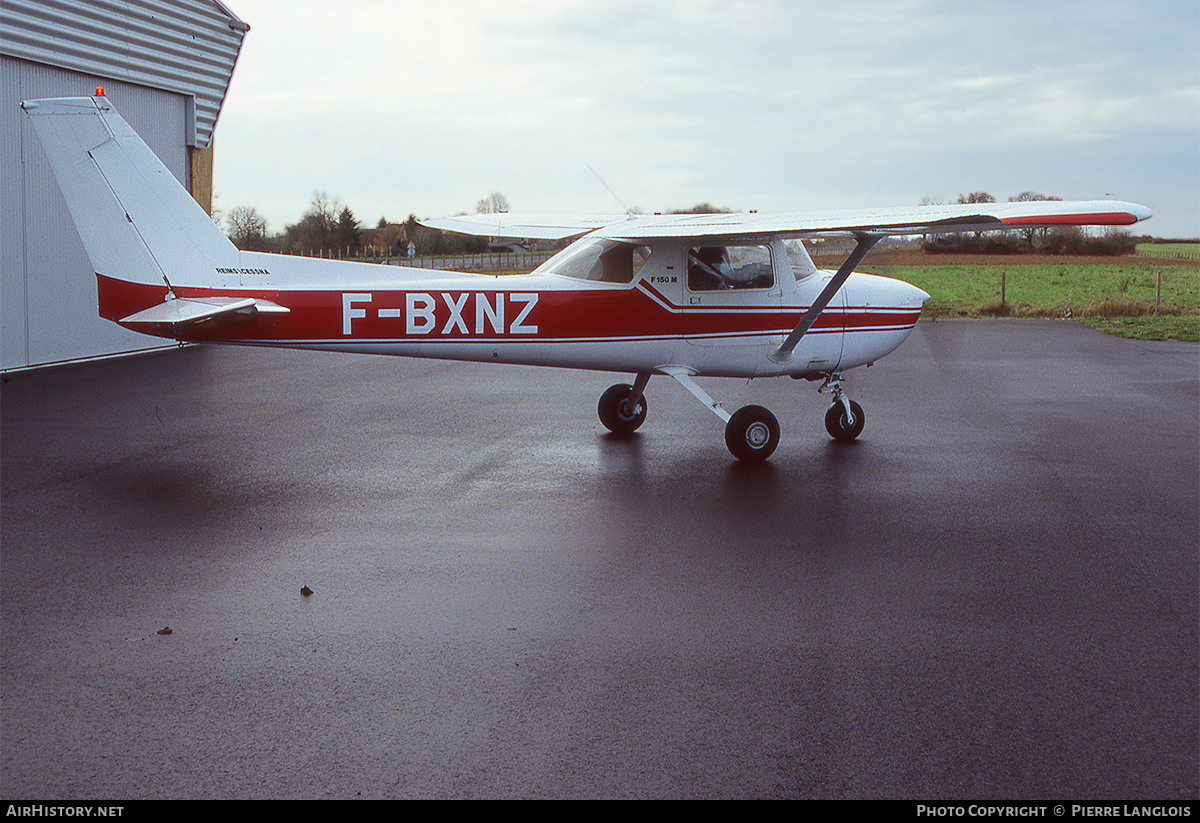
136,221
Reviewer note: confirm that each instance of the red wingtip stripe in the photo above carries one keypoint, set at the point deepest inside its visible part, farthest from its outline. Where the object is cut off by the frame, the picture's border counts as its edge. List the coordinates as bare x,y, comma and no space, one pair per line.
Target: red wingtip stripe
1112,218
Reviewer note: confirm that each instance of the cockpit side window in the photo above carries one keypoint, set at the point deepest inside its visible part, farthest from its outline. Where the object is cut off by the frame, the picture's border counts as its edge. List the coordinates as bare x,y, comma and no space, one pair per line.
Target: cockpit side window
607,261
712,268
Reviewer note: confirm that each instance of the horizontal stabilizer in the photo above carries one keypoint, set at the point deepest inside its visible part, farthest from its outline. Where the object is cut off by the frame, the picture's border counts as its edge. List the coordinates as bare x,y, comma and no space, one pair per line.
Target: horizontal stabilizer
185,311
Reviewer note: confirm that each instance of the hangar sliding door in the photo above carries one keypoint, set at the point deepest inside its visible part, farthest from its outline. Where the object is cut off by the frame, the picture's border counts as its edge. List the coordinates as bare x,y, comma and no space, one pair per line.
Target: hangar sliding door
48,300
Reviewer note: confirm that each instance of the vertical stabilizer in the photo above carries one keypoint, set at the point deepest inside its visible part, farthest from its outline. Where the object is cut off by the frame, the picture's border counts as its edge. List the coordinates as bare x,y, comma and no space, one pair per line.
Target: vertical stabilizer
136,221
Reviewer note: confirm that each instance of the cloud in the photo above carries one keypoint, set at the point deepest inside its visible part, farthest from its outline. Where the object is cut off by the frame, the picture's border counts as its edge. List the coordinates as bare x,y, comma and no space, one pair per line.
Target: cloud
425,108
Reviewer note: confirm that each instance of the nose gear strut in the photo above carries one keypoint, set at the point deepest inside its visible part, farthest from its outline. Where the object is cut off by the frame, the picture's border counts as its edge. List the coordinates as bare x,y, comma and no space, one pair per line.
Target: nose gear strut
844,420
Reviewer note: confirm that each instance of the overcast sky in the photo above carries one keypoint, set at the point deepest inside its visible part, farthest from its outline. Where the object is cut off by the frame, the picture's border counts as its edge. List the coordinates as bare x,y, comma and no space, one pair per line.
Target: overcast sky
395,108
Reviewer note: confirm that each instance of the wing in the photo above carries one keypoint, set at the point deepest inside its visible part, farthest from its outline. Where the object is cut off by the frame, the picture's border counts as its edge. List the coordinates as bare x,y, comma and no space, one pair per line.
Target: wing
534,226
896,221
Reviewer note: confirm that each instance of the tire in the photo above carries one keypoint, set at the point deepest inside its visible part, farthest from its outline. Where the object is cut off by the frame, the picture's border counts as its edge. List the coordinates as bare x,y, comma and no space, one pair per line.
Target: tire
752,433
835,422
615,415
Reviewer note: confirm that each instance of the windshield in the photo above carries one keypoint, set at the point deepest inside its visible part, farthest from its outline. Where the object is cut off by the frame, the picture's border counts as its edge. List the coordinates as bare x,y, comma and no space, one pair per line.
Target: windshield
607,261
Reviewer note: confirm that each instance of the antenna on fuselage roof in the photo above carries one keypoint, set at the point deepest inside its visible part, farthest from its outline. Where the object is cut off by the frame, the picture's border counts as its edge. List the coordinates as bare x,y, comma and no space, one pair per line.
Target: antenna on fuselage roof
610,191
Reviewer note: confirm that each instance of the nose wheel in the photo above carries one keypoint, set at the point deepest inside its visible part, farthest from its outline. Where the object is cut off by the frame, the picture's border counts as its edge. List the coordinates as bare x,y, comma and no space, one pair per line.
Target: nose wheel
843,426
844,421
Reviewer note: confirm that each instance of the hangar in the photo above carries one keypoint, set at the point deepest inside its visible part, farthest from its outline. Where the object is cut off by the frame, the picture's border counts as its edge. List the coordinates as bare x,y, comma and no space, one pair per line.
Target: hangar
167,65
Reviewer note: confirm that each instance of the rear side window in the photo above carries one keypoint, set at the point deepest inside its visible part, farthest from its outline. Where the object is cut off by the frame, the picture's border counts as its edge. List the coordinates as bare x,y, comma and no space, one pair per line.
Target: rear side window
607,261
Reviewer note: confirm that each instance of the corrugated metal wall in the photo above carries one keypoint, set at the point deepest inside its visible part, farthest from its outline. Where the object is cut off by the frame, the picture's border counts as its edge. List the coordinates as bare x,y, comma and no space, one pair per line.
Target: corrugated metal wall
48,295
184,46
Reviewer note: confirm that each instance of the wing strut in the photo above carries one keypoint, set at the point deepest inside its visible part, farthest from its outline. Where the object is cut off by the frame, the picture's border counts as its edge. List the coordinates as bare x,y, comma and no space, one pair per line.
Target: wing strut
865,243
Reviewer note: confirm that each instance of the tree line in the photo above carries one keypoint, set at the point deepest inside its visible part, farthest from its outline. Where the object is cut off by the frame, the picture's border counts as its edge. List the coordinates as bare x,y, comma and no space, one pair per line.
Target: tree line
329,229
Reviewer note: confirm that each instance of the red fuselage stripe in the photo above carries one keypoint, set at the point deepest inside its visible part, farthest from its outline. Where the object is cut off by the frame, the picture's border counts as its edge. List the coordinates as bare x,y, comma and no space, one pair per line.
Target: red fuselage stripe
585,315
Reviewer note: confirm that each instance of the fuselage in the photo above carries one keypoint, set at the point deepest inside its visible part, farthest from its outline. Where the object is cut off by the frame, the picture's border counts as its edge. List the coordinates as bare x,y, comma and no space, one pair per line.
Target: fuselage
602,304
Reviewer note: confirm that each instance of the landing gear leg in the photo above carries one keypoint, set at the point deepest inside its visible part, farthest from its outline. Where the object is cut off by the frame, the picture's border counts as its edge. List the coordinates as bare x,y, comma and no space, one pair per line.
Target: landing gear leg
622,408
751,432
844,421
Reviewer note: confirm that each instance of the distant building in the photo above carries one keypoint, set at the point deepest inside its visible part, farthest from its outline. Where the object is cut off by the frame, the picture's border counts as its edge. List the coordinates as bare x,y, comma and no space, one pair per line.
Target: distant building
166,65
384,239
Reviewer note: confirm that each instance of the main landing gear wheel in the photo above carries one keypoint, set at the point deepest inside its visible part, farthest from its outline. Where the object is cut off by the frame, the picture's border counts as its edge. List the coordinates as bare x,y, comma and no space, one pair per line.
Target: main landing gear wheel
616,412
839,427
752,433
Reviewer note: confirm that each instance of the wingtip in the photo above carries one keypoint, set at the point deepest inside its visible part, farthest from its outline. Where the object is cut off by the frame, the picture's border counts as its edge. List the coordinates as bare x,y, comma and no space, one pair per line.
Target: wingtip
1132,212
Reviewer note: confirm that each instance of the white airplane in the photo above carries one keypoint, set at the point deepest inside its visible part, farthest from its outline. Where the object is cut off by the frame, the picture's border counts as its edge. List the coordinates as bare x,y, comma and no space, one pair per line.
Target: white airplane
711,295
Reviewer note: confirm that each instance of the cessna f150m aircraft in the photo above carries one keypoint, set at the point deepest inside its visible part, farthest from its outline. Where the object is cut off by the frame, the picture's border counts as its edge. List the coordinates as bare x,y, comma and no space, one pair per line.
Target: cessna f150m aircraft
721,295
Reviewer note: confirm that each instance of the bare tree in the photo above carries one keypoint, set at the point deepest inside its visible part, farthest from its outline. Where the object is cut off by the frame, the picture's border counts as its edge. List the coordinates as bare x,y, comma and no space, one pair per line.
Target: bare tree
494,203
247,229
315,232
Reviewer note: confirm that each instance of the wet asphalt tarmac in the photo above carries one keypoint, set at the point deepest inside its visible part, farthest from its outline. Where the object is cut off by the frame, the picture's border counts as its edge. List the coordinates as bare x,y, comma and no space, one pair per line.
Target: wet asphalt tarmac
993,594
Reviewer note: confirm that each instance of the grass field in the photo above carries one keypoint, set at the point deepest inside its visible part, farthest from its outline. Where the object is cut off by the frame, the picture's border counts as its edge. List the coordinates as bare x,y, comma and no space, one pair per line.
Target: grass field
1139,297
1183,251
